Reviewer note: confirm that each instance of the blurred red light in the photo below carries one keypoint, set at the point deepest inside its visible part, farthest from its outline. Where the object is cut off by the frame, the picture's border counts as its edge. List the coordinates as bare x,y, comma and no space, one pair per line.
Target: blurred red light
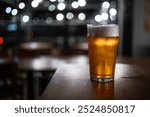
1,40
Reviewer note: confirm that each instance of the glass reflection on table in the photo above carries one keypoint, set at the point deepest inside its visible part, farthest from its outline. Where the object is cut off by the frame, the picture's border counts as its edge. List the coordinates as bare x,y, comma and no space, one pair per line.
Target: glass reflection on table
104,91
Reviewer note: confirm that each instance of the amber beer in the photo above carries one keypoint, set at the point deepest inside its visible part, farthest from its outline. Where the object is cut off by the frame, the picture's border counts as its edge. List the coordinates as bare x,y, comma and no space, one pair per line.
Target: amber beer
102,42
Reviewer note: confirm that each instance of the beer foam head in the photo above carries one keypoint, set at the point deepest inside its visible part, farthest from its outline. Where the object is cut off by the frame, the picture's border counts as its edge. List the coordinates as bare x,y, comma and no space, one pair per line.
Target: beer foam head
110,30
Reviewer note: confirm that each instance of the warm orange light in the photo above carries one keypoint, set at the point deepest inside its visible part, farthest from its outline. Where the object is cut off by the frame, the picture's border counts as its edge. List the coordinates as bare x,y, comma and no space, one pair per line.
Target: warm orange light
1,40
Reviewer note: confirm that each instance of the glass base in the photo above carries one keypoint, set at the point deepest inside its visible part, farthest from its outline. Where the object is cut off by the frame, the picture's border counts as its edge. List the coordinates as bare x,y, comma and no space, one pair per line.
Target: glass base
102,79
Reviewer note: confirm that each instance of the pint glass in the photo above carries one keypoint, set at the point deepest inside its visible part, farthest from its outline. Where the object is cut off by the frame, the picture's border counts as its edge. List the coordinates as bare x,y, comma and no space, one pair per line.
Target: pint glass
102,42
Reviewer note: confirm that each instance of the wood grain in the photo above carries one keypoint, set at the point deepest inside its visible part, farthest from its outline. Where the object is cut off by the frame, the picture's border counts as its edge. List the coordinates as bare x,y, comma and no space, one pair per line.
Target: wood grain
73,82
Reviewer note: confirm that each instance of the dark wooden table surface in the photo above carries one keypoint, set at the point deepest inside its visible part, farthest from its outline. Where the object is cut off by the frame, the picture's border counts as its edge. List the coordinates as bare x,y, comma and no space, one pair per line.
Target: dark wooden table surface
72,81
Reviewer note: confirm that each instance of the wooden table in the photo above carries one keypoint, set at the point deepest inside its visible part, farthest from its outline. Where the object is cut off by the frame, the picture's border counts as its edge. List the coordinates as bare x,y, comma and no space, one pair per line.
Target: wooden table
30,66
35,46
34,49
71,81
45,64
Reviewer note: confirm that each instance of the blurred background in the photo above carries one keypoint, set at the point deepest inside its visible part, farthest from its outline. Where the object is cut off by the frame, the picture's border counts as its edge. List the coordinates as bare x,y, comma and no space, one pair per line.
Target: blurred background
36,36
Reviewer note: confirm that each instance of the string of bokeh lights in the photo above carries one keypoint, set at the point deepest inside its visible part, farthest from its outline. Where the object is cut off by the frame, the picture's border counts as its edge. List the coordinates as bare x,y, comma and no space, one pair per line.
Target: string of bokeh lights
106,11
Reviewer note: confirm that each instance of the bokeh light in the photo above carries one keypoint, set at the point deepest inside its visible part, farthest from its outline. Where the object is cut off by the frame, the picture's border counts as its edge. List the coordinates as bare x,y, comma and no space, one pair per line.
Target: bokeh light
8,10
21,5
12,27
69,15
39,1
104,16
113,17
53,0
61,6
14,12
113,11
46,4
82,3
51,7
61,0
1,40
49,20
98,18
106,4
81,16
75,5
25,18
59,16
34,3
